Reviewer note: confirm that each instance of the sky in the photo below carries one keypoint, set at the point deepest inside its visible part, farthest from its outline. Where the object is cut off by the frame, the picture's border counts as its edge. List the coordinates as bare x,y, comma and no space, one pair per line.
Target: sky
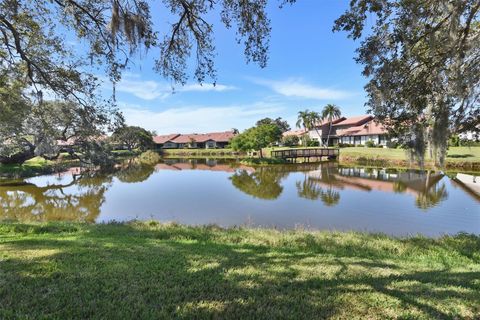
309,66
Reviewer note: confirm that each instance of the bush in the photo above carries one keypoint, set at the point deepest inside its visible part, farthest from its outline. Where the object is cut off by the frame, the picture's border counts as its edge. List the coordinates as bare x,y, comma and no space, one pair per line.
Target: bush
392,144
345,145
454,141
370,144
149,157
290,141
313,143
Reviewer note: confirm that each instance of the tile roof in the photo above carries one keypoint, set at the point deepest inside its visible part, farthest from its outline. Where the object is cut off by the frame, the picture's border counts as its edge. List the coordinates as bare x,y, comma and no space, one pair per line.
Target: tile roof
164,138
370,128
203,137
334,122
353,120
297,133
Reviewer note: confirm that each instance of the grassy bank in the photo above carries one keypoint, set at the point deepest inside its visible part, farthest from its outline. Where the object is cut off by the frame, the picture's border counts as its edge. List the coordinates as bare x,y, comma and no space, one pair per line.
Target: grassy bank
467,158
147,271
32,167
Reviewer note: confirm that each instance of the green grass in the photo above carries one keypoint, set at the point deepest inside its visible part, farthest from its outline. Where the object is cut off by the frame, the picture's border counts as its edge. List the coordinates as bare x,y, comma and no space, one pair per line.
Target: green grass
454,153
151,271
37,165
457,157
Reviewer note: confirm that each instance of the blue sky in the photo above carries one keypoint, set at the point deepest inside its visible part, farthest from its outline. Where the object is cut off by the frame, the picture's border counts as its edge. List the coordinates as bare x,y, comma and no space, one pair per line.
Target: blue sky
309,66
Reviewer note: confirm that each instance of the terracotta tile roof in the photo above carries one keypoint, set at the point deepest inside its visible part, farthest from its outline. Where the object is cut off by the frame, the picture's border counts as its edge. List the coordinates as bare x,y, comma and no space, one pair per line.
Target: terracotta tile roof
370,128
297,133
203,137
353,120
334,122
164,138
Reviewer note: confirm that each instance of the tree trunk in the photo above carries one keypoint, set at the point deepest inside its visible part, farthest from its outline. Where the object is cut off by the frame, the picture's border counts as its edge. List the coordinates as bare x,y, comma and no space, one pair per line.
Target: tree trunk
329,130
261,153
18,158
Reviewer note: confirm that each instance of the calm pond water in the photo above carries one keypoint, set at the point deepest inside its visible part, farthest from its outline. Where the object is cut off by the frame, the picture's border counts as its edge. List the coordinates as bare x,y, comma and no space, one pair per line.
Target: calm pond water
315,196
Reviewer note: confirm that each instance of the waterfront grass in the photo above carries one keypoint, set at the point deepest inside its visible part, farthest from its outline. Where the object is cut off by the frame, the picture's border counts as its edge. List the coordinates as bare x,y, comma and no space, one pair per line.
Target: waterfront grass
457,157
150,271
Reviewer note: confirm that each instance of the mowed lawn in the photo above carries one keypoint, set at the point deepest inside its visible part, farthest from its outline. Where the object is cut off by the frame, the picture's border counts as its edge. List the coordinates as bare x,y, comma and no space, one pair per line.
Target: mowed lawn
151,271
454,154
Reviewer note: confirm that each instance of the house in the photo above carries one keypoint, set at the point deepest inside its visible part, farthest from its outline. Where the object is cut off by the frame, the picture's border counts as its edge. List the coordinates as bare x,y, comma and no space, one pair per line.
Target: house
359,135
165,141
354,130
195,140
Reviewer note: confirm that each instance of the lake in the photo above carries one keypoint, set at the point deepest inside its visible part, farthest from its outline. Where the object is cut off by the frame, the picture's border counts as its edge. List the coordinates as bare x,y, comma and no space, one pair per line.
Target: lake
323,196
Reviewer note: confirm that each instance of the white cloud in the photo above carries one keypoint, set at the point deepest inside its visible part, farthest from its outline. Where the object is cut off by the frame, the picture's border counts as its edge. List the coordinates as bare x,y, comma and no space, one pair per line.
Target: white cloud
199,118
151,90
300,89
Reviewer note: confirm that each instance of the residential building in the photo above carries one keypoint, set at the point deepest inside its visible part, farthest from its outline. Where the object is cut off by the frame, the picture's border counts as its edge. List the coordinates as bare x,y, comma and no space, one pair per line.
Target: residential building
354,130
195,140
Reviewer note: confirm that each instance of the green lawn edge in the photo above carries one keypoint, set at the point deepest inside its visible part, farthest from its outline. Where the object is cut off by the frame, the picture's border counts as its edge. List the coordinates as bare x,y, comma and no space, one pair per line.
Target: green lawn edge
149,270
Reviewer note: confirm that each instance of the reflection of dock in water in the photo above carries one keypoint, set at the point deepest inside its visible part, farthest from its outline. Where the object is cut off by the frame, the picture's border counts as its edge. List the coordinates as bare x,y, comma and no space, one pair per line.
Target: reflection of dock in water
469,183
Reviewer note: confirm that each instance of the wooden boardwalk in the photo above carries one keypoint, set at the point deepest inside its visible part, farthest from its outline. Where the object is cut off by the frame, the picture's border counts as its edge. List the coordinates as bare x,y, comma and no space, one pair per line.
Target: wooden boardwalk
306,153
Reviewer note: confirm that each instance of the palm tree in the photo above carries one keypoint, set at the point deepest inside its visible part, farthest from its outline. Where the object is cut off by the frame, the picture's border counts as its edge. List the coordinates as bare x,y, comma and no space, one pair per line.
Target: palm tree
308,120
330,112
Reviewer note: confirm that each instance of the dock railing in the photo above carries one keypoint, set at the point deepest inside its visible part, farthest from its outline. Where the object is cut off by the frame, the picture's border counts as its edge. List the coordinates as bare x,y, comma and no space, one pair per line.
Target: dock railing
331,153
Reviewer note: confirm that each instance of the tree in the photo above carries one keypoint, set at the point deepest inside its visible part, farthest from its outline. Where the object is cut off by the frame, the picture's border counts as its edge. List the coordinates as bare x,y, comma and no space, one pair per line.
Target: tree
290,141
32,33
308,120
282,124
133,137
330,112
256,138
422,59
48,128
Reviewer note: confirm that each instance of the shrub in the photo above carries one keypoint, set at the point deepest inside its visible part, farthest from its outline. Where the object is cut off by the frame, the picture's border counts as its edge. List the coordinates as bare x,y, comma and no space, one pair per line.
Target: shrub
313,143
149,157
290,141
392,144
370,144
454,141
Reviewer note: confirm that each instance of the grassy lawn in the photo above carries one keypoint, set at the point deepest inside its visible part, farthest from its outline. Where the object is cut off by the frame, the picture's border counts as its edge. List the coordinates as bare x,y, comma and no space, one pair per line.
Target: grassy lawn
150,271
454,154
30,167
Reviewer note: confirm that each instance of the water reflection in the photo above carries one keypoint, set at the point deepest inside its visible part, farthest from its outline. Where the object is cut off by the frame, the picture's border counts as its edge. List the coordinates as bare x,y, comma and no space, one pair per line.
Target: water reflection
68,197
213,191
263,183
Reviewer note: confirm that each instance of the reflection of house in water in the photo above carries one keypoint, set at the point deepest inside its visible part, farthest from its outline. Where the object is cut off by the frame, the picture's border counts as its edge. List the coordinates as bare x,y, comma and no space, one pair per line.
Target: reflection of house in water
201,164
423,185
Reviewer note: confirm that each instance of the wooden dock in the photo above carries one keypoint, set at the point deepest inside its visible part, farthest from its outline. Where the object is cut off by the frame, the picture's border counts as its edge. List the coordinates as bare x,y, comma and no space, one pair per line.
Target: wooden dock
306,154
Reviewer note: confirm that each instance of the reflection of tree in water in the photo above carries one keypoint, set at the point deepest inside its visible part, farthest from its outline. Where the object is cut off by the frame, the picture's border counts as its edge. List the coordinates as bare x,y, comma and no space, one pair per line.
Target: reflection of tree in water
77,200
429,192
432,195
311,188
264,183
135,172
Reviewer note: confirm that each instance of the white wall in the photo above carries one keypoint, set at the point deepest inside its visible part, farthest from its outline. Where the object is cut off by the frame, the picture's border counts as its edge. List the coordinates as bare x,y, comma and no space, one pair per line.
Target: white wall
315,136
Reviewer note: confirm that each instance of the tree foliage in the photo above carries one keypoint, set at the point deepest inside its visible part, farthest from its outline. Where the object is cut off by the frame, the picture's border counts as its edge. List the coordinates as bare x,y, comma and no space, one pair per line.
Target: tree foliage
133,137
329,113
309,120
46,129
422,59
256,138
282,124
32,38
